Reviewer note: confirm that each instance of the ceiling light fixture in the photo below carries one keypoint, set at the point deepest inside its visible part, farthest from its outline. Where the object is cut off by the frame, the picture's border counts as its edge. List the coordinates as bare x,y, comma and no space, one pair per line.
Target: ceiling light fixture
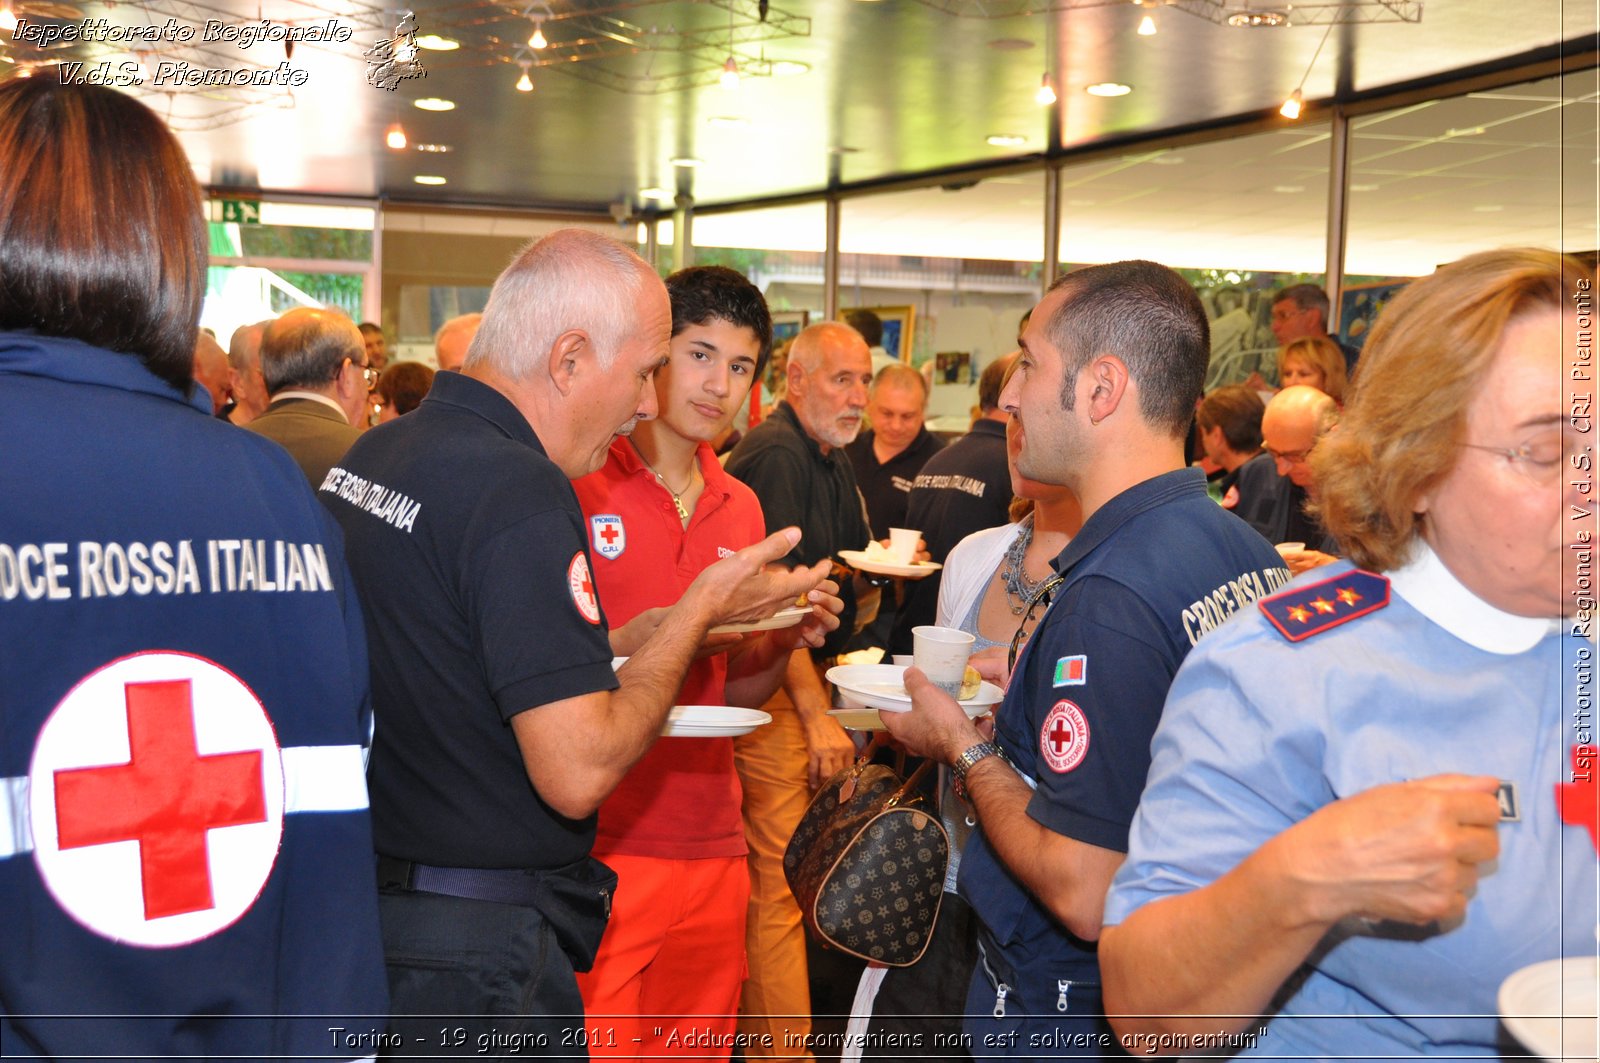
688,162
434,103
1147,26
654,193
8,16
396,137
1046,94
1296,102
729,78
1259,19
1005,140
428,179
525,83
788,68
435,43
537,40
1108,89
435,149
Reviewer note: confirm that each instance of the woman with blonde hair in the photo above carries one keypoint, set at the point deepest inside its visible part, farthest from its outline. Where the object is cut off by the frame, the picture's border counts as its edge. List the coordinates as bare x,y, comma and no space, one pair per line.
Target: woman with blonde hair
1355,821
1315,361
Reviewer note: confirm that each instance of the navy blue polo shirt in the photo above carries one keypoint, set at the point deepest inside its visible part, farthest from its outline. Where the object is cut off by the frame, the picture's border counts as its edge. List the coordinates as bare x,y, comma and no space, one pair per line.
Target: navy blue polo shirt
468,548
1150,573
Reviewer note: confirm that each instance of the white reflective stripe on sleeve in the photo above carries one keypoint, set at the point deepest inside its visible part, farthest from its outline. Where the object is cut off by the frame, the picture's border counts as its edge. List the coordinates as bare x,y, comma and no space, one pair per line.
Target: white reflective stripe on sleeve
324,779
315,779
15,834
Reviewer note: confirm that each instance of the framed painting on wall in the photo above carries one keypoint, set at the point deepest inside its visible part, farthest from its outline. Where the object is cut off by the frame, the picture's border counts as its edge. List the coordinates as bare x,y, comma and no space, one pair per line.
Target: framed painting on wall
898,322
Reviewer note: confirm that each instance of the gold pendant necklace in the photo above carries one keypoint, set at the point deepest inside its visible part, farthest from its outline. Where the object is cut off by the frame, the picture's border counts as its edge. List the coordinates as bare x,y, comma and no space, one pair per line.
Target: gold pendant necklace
677,496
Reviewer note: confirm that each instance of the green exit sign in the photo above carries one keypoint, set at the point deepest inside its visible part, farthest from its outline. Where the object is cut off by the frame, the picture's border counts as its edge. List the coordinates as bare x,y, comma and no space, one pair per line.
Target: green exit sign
241,211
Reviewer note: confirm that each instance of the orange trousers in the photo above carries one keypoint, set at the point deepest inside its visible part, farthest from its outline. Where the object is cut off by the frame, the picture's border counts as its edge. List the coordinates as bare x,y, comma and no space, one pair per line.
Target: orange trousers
666,979
777,996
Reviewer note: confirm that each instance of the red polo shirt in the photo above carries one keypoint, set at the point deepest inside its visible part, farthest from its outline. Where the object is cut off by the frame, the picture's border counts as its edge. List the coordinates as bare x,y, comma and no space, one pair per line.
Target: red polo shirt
681,801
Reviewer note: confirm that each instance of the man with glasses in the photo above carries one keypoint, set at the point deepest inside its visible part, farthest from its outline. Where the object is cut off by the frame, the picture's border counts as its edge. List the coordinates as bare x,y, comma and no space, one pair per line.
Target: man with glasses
314,362
1111,368
1301,310
1294,421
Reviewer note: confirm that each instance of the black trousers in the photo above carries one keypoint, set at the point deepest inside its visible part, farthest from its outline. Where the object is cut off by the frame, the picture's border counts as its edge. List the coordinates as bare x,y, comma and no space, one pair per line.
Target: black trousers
476,978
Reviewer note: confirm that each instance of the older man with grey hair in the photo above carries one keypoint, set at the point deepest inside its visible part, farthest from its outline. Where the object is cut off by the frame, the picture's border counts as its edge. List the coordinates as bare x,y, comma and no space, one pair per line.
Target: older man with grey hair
314,363
450,343
1294,423
504,723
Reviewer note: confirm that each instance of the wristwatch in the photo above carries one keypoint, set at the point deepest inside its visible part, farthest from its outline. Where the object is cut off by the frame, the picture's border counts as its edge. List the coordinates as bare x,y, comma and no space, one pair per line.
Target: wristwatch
966,760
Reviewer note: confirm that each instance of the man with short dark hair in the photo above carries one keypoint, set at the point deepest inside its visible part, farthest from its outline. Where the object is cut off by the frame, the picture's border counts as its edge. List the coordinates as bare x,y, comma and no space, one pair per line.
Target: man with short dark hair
1111,368
1229,420
314,363
964,488
1301,310
377,346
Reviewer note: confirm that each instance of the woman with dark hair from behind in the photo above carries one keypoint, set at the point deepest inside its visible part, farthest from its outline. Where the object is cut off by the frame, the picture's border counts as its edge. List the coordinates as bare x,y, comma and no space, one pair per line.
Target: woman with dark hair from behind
154,693
401,389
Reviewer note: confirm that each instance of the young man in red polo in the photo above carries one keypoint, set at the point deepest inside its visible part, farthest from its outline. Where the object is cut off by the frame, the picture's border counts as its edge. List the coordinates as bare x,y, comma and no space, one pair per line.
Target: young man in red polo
660,510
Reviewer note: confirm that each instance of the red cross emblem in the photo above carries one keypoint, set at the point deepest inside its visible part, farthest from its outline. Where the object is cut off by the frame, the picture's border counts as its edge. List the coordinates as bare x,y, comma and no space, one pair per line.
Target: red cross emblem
1579,801
610,537
1064,738
581,584
157,799
166,797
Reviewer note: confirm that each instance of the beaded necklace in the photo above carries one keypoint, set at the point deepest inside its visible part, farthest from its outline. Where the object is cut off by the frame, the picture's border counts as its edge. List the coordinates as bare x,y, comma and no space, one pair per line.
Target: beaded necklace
1019,588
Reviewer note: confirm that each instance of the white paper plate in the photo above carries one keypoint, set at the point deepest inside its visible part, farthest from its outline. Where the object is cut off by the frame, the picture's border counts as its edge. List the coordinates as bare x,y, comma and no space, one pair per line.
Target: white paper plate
867,688
782,618
712,721
859,559
1550,1008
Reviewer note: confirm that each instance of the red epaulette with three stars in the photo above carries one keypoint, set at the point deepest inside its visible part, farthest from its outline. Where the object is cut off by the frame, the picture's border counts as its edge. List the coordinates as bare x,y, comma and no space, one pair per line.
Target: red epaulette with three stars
1301,612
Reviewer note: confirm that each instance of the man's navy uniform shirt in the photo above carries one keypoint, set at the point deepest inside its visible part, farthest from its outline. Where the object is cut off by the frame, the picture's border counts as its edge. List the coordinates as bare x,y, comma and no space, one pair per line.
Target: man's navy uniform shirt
1151,572
886,486
468,546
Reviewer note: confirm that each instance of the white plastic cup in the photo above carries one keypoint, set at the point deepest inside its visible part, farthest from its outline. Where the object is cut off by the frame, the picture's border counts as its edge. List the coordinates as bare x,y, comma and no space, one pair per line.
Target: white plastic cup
1287,550
903,544
904,661
941,653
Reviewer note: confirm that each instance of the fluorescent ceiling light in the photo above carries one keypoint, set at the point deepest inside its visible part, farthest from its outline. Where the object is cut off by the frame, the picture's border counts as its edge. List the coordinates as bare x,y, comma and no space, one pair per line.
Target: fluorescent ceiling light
434,103
428,179
1108,88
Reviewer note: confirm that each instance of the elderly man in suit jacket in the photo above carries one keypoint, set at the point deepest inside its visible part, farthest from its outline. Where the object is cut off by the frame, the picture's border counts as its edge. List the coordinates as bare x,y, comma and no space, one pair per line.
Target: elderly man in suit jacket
315,365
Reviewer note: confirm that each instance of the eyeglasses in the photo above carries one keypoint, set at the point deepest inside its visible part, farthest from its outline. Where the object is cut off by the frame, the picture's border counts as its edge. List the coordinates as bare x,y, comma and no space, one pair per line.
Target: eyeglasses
1043,594
1291,457
369,374
1539,460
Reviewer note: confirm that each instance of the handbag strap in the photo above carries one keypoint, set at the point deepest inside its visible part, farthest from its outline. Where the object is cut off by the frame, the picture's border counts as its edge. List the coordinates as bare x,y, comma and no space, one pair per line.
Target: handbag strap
910,784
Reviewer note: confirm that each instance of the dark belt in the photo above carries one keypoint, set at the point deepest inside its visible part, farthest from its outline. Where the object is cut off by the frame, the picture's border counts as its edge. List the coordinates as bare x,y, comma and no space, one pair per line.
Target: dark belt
500,885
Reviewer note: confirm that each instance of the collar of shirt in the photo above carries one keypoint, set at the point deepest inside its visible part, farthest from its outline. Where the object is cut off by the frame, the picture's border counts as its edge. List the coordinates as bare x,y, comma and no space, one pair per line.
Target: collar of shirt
1433,590
1127,505
296,393
471,394
983,426
76,362
786,413
632,464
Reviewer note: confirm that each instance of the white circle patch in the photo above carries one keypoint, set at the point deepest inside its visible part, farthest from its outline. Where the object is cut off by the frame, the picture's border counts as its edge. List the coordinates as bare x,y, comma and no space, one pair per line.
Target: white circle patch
156,799
581,584
1064,738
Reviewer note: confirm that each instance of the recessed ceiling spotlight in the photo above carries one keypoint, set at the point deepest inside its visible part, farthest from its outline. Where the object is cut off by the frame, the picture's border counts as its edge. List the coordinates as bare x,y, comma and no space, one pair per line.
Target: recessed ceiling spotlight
1470,131
435,149
435,43
727,120
1010,44
1288,190
1147,26
1488,208
434,103
1108,88
1005,140
1259,19
654,193
428,179
688,162
788,68
395,137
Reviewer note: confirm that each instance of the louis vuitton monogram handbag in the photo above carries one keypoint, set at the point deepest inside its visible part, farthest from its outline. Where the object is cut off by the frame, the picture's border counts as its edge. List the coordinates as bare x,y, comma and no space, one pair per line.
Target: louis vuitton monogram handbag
867,864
